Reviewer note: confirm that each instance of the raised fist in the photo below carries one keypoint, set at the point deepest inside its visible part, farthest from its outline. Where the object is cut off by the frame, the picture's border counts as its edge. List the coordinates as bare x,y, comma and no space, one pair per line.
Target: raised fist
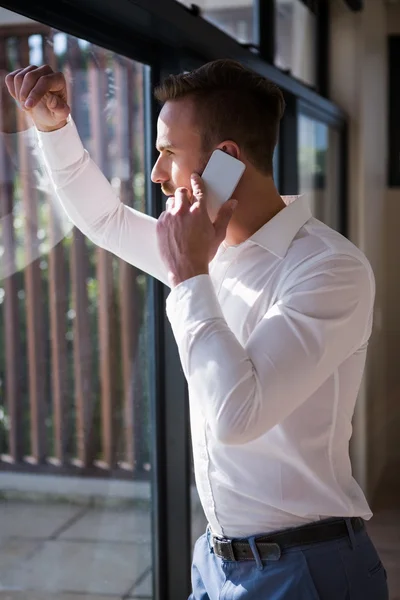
42,94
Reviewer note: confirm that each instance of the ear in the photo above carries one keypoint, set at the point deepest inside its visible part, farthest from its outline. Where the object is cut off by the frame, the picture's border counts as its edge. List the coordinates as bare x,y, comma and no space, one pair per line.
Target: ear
230,148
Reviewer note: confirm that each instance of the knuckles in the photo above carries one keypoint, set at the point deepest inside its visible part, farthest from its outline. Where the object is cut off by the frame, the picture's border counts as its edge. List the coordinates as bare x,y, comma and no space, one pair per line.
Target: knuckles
30,77
18,77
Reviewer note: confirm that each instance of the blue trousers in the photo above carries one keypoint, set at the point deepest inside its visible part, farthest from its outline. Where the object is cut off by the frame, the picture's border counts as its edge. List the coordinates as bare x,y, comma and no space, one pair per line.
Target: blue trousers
344,569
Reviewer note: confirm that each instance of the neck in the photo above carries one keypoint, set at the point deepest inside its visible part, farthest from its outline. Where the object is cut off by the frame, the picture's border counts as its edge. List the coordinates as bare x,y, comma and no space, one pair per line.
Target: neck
258,202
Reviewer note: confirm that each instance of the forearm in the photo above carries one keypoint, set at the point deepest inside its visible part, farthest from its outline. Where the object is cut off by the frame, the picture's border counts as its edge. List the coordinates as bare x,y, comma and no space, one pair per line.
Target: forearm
214,362
93,205
294,348
76,180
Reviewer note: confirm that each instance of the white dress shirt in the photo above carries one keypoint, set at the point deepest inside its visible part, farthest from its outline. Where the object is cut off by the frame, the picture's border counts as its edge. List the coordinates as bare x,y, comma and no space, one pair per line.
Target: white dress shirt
273,345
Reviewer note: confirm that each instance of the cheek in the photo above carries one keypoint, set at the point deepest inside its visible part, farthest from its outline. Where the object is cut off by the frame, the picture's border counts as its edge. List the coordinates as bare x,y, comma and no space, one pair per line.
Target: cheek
181,171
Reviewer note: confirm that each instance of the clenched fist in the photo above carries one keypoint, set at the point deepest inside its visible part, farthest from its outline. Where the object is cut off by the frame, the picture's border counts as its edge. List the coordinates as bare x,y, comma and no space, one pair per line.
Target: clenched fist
42,94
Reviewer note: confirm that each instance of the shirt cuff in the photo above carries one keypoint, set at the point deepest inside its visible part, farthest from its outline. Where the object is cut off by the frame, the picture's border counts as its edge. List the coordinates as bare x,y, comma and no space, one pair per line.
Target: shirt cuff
190,303
63,147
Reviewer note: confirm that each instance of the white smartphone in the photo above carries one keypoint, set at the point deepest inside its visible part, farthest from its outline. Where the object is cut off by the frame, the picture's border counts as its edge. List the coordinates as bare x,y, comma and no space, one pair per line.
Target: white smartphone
221,176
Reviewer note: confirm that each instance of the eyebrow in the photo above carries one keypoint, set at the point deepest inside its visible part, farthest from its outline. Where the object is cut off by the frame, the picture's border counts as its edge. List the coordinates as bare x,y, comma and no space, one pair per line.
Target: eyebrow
164,146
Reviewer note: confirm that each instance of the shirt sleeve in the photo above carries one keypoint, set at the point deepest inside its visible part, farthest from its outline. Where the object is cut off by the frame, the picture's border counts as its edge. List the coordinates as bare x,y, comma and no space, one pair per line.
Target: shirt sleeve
93,206
321,319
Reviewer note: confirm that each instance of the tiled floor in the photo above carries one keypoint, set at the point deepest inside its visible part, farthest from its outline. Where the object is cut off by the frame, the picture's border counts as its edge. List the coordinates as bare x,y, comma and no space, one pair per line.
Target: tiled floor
55,550
64,552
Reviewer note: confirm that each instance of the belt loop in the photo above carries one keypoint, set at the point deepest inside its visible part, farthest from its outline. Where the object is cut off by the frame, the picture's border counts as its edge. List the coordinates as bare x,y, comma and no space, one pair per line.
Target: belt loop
350,531
253,546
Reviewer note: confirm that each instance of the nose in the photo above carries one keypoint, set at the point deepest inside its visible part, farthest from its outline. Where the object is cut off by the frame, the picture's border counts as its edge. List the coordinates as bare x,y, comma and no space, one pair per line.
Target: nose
158,174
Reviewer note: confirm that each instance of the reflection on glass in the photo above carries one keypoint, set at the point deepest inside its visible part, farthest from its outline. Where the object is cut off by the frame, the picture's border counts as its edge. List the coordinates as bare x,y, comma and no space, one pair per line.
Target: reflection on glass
75,351
295,49
234,18
319,169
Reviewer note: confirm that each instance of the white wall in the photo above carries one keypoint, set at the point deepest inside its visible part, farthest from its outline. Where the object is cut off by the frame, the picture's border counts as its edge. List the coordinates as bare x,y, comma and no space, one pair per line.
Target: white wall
359,86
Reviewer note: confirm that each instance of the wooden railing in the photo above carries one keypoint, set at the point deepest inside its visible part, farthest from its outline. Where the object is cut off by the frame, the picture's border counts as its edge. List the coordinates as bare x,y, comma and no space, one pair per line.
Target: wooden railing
74,382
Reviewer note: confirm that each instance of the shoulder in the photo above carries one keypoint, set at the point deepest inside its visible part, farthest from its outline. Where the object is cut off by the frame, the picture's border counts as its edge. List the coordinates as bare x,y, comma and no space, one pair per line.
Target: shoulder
321,254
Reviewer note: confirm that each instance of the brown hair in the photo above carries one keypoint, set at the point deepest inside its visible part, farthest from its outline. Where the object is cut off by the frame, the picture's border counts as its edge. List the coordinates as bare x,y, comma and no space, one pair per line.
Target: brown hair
232,103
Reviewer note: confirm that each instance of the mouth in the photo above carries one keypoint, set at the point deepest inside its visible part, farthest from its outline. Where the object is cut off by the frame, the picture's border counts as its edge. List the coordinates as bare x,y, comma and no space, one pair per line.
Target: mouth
167,192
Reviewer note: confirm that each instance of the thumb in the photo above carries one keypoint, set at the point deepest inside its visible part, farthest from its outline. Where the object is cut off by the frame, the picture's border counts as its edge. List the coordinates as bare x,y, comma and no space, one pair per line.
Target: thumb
56,104
224,216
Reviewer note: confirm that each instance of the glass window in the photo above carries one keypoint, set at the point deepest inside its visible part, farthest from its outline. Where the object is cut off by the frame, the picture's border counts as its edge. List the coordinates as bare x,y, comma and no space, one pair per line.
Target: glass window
296,39
234,18
75,344
319,172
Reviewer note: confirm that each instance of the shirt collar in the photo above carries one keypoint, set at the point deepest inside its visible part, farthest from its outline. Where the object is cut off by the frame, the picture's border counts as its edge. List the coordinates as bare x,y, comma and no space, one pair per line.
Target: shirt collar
277,235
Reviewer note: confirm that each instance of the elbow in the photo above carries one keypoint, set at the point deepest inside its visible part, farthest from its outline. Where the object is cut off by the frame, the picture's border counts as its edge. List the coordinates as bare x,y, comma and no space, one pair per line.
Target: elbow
241,418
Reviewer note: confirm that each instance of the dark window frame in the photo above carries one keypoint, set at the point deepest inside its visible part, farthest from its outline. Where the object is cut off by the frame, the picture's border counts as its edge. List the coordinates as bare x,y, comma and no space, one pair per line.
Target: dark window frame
265,36
320,8
143,29
394,115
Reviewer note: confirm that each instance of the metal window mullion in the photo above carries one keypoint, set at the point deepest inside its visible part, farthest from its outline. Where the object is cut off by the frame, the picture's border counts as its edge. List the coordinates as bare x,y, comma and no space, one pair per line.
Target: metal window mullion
288,149
322,47
171,517
264,29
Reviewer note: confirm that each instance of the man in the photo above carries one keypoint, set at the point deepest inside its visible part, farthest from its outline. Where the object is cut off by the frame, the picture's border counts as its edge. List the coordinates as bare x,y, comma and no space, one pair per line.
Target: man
271,311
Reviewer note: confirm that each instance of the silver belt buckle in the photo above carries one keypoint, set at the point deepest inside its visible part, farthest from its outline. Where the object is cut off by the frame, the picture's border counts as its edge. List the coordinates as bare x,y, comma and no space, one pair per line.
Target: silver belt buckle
225,544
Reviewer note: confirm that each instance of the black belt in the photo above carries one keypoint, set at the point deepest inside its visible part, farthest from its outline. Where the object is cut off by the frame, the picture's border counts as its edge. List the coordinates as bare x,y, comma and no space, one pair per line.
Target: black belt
271,546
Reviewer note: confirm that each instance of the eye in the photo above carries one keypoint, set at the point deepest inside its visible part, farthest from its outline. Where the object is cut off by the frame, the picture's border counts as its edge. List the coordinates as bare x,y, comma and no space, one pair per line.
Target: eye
169,152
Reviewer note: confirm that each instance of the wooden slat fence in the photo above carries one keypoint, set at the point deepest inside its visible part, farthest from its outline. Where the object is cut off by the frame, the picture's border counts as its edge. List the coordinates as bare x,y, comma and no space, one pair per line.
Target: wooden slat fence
73,370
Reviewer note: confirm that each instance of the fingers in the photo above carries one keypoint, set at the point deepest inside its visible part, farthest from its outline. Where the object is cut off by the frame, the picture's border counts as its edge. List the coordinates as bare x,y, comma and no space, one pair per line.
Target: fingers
45,84
56,104
170,203
10,81
29,85
181,200
198,190
15,80
19,80
30,80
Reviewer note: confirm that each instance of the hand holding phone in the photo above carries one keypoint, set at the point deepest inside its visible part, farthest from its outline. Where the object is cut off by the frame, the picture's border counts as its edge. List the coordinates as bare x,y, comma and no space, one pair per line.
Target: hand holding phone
221,177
